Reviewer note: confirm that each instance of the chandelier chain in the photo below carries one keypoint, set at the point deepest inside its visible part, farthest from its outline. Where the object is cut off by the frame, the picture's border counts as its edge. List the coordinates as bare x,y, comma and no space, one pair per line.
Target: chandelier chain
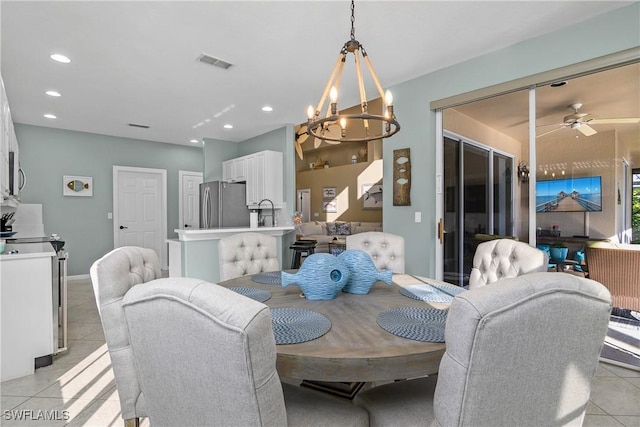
353,20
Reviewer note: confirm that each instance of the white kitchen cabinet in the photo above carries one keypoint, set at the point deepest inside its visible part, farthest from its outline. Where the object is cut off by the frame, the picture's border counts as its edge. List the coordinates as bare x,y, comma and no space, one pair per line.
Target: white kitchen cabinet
25,309
235,170
227,171
8,144
264,178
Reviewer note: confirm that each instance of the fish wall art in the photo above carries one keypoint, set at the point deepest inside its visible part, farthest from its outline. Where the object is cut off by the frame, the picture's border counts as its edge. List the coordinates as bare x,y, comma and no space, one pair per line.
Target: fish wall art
77,185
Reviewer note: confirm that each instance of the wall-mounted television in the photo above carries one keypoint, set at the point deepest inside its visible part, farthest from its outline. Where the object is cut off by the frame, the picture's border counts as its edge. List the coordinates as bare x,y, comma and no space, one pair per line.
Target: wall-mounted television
569,195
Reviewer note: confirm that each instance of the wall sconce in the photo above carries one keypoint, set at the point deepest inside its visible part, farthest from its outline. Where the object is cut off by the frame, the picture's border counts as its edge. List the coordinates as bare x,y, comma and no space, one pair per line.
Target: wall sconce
523,173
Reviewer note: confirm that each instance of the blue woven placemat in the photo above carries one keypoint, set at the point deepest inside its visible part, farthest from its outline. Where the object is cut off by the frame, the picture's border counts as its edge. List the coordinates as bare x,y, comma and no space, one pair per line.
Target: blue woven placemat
431,292
253,293
296,325
268,278
414,323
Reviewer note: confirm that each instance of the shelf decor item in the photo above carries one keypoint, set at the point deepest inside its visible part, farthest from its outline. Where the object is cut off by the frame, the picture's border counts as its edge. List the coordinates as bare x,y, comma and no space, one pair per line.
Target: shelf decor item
321,277
363,272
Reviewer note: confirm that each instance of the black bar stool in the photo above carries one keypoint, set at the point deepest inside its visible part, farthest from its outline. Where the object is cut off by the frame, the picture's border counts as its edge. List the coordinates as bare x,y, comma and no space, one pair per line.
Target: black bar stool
301,247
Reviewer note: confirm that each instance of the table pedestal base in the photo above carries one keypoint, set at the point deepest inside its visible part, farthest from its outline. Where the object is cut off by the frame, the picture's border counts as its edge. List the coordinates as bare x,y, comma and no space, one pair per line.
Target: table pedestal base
343,389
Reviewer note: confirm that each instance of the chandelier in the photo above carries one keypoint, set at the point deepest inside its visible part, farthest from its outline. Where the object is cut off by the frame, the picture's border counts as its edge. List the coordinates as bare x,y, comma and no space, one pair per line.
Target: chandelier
332,127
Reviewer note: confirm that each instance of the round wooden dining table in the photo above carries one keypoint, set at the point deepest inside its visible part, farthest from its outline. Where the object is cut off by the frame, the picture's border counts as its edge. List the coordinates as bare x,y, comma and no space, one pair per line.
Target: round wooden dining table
355,349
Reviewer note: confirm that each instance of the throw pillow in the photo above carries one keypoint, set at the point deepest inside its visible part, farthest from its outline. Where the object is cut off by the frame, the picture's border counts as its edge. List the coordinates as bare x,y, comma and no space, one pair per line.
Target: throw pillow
331,228
343,228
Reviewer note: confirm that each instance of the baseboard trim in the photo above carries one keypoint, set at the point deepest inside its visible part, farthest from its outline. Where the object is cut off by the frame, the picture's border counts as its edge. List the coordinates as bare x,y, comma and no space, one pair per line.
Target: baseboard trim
78,277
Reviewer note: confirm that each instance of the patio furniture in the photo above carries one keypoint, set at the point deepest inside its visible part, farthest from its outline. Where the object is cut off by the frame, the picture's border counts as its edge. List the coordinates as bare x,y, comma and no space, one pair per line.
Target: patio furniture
616,266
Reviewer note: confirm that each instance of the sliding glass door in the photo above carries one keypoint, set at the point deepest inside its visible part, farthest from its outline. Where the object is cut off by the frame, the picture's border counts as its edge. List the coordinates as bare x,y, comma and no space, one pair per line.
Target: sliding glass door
478,200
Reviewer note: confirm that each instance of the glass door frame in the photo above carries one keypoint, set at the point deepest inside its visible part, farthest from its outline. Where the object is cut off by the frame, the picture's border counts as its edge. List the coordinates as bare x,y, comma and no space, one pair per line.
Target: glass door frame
491,152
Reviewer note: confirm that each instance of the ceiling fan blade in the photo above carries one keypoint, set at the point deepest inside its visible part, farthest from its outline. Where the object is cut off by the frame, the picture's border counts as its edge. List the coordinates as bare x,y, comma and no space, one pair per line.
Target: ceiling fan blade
551,131
587,130
333,131
551,124
302,137
299,150
616,121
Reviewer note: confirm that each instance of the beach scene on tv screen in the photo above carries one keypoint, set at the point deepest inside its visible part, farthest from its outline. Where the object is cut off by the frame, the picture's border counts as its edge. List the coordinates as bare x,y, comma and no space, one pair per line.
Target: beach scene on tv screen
569,195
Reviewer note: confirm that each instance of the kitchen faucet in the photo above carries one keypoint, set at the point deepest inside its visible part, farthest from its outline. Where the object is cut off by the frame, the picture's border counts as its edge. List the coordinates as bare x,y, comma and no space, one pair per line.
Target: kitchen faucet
273,211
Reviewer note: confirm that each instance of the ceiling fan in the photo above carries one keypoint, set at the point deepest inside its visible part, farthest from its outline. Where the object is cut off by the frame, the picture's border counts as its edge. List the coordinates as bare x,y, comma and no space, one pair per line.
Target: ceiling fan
579,122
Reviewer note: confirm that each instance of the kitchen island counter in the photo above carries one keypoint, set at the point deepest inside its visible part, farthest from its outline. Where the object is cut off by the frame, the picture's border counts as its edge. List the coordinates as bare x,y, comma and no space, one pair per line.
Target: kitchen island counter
195,252
189,234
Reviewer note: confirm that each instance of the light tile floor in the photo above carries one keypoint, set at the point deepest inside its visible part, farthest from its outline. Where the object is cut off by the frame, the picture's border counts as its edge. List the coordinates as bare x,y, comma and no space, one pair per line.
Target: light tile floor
80,381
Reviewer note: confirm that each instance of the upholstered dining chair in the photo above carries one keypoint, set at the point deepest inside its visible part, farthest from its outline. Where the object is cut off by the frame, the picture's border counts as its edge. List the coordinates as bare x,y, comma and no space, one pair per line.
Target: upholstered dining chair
386,249
206,356
247,253
520,352
112,276
504,258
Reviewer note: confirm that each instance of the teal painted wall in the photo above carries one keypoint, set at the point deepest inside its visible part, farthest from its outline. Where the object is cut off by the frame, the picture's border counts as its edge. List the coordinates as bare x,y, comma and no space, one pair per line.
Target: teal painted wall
609,33
216,151
47,154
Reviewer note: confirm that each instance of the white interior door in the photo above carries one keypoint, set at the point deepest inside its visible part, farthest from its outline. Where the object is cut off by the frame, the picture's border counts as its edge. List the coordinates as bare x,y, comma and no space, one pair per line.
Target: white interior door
140,209
188,215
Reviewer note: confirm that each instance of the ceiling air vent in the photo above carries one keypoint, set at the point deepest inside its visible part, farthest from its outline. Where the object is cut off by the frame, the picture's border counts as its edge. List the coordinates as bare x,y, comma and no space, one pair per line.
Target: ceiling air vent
216,62
136,125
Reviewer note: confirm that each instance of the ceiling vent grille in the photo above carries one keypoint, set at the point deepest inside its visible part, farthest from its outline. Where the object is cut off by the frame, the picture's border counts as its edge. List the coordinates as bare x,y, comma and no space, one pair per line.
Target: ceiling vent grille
216,62
136,125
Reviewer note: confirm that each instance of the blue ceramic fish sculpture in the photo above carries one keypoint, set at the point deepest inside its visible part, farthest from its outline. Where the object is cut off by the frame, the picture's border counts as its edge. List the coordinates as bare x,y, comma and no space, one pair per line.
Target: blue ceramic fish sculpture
320,277
364,273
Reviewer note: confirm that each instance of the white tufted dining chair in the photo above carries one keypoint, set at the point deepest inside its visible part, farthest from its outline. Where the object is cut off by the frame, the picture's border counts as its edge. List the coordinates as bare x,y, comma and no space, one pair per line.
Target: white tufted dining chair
386,249
247,253
513,358
112,276
505,258
206,356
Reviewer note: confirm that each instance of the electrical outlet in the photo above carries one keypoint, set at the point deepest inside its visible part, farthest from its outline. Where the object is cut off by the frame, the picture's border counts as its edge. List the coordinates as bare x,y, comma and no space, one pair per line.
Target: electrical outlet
109,215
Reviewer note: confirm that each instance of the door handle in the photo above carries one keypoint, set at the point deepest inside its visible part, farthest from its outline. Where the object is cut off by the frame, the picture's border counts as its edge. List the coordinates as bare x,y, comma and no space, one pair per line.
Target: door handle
122,227
440,230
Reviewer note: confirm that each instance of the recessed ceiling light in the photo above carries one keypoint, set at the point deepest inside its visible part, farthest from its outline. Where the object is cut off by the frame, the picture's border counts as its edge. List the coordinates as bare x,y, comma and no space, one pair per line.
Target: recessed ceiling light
267,108
50,116
228,126
195,141
60,58
52,93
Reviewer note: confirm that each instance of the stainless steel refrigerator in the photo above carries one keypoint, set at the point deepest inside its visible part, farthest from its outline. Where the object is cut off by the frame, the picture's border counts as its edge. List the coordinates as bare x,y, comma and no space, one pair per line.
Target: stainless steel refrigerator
223,204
